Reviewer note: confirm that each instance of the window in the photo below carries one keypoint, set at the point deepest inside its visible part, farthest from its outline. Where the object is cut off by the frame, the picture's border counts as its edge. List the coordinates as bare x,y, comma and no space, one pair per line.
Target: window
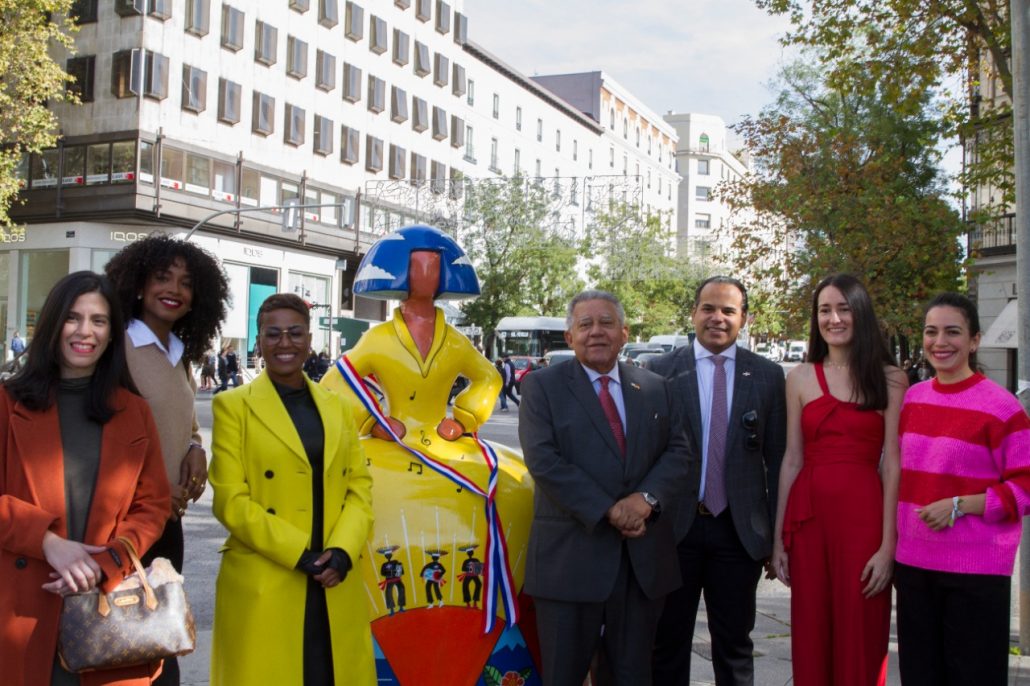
128,8
611,119
438,174
649,178
323,135
443,17
328,13
98,164
539,170
703,221
159,9
625,165
419,115
350,141
418,169
702,193
497,106
456,184
458,80
703,167
81,70
265,37
423,10
703,142
125,73
638,136
354,28
403,4
461,28
232,28
439,124
155,76
518,159
401,47
625,128
325,71
471,99
398,156
84,11
540,130
264,114
301,6
441,69
422,66
398,105
518,118
457,131
198,17
470,150
376,94
575,150
373,154
493,156
229,96
557,140
351,83
294,122
194,89
611,157
296,57
590,158
377,35
649,141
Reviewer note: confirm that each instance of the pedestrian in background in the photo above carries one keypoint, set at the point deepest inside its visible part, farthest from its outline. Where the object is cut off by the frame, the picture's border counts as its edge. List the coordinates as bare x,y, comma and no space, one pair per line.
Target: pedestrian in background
736,416
80,467
965,487
17,344
175,295
293,490
838,494
508,374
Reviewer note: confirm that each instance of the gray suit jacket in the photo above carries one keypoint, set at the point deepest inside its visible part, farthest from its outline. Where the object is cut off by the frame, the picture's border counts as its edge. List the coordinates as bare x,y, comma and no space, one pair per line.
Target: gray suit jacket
753,455
574,553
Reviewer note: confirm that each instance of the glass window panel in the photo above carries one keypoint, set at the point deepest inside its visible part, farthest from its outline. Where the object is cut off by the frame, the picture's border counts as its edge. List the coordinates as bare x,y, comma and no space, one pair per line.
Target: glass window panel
443,17
173,165
74,165
398,104
198,174
401,47
329,214
194,89
325,71
354,22
350,140
229,95
269,191
250,187
98,164
146,161
265,37
296,57
155,82
198,17
377,35
351,83
294,125
224,174
232,28
422,65
328,13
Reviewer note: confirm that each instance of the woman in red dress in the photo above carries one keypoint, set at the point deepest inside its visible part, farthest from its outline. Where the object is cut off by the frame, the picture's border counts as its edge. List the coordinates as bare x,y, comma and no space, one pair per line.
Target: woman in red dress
835,521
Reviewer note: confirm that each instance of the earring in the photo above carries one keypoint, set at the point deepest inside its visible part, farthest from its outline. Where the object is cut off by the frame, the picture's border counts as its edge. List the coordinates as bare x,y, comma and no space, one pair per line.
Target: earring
139,296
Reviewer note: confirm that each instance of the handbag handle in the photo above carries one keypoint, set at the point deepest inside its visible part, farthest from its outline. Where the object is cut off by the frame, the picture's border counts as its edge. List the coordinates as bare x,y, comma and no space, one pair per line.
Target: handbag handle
103,608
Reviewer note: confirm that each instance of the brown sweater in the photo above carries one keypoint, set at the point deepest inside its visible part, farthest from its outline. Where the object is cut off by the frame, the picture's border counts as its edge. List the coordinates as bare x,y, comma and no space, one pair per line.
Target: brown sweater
170,393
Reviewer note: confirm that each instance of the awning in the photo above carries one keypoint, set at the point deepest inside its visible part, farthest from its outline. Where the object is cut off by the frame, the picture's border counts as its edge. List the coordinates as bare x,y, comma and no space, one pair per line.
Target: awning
1003,331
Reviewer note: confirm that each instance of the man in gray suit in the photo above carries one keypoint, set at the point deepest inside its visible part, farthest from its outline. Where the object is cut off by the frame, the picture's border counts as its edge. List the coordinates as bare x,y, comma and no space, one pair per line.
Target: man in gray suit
736,413
598,439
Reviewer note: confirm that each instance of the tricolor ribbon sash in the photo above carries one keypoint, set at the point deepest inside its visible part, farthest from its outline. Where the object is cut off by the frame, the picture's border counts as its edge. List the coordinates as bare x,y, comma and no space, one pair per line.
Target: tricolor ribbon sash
498,583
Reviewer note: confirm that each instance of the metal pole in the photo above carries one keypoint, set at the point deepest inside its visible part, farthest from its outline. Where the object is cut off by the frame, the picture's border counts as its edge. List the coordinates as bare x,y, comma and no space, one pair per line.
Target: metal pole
1020,16
239,210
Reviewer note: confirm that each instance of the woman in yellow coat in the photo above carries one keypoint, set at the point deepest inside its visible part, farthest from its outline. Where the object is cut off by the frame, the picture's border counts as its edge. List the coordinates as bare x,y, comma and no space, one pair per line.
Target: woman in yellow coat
291,486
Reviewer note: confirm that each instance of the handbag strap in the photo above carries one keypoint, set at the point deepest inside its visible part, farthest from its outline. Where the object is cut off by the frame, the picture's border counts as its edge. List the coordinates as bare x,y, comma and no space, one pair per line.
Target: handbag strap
151,598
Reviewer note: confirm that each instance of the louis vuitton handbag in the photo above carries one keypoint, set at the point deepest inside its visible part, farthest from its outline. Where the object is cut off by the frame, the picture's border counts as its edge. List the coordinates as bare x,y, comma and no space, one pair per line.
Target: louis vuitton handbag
142,620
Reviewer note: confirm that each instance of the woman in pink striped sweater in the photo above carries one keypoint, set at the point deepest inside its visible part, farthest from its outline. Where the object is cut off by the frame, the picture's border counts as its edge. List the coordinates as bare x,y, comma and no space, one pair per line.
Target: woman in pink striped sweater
965,480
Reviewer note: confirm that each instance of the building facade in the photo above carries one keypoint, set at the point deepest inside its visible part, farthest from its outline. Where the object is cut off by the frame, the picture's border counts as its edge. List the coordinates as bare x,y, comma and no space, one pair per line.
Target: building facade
371,114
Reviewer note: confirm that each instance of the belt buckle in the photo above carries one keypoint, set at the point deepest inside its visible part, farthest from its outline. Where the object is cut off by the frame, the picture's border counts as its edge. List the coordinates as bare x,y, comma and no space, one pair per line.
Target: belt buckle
704,511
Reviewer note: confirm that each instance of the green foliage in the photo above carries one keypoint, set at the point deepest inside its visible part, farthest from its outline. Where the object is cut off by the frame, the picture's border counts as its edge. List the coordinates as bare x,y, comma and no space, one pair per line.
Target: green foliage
845,182
30,78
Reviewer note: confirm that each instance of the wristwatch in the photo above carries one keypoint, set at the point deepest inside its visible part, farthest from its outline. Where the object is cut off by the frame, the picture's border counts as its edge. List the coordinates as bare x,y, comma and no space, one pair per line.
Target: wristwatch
656,507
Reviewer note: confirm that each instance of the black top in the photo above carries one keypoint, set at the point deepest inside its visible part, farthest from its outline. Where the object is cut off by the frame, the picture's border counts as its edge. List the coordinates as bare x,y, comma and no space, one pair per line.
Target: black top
308,423
80,442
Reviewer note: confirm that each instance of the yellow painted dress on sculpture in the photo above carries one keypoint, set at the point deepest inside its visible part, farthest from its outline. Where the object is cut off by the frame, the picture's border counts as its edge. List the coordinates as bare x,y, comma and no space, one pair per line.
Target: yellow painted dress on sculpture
423,564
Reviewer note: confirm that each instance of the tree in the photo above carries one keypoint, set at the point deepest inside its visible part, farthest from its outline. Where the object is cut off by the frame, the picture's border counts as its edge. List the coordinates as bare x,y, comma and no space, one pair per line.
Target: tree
525,262
912,49
30,78
845,181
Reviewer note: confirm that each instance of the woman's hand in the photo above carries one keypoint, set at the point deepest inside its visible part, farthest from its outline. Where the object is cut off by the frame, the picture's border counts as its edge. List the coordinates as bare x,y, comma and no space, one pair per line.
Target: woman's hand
73,563
193,472
450,429
937,515
781,563
395,424
877,573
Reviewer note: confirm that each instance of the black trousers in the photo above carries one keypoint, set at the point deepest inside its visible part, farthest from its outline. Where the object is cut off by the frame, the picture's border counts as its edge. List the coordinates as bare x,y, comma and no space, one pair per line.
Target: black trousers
714,562
171,545
952,628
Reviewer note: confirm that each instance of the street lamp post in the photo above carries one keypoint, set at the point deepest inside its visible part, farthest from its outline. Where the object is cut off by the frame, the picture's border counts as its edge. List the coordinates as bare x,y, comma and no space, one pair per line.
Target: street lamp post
290,219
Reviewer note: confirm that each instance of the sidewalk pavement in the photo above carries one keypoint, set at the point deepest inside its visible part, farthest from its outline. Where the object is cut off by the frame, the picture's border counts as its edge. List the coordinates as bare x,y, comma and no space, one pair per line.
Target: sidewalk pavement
771,637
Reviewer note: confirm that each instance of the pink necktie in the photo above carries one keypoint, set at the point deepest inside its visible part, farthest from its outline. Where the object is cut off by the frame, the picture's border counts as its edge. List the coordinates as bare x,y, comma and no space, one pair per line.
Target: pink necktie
611,413
715,472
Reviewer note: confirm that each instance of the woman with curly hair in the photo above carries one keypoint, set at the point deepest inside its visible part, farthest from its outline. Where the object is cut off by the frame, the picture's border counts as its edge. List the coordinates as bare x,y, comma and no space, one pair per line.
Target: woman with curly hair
174,296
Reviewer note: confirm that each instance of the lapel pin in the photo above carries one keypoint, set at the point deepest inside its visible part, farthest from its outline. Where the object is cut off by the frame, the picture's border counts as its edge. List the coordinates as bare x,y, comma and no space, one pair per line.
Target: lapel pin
635,386
745,374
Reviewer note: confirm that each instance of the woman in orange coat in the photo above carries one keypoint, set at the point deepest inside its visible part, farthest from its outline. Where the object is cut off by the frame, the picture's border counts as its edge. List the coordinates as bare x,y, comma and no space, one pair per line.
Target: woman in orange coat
80,466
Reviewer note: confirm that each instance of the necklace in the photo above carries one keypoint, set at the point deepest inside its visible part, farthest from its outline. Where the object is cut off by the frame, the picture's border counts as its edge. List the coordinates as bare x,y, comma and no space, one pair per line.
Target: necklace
835,364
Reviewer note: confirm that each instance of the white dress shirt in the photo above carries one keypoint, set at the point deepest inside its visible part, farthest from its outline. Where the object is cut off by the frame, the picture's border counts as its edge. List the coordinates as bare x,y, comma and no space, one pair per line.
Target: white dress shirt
141,335
614,387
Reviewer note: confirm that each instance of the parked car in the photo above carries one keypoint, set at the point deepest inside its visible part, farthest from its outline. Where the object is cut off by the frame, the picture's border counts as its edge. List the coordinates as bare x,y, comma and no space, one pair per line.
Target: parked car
524,364
670,341
644,359
556,356
632,351
797,351
770,351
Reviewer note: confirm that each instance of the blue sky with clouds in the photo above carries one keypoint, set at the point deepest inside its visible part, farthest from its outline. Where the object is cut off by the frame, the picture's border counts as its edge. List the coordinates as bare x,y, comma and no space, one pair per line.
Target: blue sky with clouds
709,56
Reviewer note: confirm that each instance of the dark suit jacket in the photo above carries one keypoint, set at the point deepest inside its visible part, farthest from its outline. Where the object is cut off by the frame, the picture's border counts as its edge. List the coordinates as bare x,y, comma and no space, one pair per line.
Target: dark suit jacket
574,553
752,471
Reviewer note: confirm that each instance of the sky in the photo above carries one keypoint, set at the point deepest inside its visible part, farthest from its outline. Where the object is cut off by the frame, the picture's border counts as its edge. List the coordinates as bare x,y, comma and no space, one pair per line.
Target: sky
706,56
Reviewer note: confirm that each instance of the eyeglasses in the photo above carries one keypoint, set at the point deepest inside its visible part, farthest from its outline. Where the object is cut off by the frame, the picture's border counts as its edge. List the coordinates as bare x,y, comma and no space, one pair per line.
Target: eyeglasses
750,422
273,335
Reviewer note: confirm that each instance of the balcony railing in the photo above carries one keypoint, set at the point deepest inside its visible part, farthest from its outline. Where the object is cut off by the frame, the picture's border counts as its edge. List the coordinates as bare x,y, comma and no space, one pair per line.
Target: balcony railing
994,237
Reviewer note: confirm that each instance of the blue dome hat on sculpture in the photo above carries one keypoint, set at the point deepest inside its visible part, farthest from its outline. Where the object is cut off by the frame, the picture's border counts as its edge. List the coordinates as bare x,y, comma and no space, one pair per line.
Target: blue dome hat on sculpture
383,272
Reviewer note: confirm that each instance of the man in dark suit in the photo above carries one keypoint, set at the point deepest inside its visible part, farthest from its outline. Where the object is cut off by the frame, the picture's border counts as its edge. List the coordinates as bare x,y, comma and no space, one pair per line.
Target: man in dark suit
598,439
736,414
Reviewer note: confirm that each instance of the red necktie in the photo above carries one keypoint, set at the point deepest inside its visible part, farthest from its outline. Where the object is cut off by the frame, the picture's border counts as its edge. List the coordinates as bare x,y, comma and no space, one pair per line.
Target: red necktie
611,413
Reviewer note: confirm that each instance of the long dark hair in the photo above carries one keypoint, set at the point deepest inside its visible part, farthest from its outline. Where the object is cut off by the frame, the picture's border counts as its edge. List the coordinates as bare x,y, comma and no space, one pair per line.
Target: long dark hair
35,384
133,265
969,312
869,352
